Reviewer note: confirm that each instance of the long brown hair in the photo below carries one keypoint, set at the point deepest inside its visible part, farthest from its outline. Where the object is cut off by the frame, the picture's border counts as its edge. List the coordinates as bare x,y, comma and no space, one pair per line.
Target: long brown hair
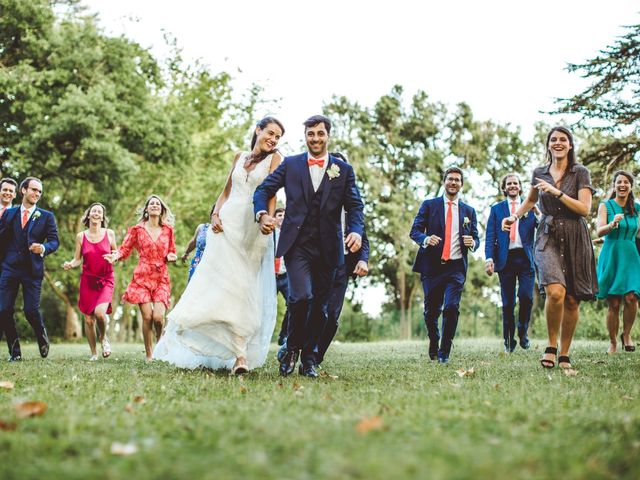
165,213
85,216
262,124
571,156
630,206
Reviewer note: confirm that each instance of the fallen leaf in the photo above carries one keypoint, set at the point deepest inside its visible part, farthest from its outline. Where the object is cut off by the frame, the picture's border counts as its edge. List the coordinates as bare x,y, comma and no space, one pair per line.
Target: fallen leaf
128,408
496,386
570,372
31,409
139,399
8,426
627,397
466,373
123,449
326,375
368,424
243,389
7,384
280,385
297,386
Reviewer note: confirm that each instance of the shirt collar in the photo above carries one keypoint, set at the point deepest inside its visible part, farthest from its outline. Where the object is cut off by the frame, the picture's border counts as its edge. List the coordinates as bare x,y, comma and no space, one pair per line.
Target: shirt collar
455,200
30,210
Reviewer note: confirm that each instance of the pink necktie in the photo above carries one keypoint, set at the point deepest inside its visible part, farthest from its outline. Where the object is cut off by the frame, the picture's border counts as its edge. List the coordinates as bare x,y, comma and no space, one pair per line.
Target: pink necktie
512,231
446,249
25,217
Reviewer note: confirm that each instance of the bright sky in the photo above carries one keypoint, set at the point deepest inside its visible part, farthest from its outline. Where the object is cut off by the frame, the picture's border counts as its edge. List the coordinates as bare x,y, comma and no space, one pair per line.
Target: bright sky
505,58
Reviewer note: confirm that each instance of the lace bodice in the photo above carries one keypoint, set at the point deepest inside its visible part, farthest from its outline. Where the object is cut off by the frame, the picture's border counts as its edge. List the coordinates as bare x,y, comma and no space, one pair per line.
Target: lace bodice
244,182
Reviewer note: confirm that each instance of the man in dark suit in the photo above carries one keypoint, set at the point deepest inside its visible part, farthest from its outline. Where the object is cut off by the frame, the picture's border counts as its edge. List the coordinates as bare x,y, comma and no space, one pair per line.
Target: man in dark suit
282,282
317,186
27,235
8,187
445,228
510,253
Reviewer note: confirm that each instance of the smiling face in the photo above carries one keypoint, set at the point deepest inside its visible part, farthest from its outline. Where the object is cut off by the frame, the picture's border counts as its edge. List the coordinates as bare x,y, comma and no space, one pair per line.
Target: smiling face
96,214
31,193
7,194
622,186
267,138
452,184
154,207
512,187
317,139
559,145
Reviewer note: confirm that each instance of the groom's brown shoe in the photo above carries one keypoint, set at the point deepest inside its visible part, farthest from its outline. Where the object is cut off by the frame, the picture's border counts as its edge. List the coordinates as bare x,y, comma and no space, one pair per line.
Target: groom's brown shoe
288,363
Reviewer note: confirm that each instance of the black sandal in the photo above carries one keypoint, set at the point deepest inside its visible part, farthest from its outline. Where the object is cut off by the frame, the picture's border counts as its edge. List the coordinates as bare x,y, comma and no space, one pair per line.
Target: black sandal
564,359
549,363
627,348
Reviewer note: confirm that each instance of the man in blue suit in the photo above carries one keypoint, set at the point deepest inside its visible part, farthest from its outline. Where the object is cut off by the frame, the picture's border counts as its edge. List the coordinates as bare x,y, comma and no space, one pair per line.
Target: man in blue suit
446,229
27,235
317,187
511,255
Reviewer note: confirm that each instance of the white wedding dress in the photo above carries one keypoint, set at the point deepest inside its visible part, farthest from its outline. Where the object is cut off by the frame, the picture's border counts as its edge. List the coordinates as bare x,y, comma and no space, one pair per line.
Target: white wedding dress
228,309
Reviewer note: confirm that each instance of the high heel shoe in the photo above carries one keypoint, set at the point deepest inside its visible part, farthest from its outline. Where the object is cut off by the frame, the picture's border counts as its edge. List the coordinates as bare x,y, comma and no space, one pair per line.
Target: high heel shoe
627,348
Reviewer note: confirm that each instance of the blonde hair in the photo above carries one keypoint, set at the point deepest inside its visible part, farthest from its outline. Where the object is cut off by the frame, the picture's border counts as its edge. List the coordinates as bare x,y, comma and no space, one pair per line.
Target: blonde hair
165,213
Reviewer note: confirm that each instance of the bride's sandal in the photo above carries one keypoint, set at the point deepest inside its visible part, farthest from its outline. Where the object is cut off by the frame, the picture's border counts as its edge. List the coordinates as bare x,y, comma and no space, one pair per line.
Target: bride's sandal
566,360
547,363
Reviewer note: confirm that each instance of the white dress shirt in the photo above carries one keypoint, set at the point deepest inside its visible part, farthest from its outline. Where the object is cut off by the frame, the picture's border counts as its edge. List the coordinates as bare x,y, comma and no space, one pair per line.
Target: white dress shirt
456,251
281,268
316,172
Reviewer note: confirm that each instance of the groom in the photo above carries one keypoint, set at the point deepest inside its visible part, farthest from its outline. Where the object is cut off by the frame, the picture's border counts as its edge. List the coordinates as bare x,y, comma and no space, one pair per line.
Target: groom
317,186
27,235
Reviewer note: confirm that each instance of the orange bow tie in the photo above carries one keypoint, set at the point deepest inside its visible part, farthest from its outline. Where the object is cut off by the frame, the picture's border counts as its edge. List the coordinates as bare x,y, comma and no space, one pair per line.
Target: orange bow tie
315,161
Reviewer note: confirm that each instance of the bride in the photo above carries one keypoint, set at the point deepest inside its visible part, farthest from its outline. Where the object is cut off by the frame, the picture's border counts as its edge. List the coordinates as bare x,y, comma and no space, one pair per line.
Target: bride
226,316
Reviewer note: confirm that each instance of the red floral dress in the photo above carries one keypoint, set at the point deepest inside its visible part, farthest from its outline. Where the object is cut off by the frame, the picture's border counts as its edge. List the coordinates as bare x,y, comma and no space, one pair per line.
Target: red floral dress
150,281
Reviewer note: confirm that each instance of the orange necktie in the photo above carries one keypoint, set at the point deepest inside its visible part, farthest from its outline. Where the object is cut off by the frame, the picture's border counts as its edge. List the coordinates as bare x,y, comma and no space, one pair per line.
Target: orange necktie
277,264
25,217
446,249
512,231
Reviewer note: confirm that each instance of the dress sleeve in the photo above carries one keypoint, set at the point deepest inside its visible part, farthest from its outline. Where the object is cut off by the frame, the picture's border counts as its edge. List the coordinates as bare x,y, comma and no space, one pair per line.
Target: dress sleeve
583,179
129,243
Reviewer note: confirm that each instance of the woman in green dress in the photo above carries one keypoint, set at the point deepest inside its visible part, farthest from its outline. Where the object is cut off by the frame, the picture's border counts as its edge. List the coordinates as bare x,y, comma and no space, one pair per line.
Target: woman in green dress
619,261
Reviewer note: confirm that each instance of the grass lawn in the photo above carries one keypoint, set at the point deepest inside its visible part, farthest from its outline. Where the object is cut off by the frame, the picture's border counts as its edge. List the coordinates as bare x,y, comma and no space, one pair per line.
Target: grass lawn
381,410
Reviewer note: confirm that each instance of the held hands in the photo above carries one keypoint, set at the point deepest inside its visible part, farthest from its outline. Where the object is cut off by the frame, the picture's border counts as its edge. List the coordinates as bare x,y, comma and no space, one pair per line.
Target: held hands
353,242
216,224
172,257
488,267
36,248
362,269
111,257
544,186
68,265
267,224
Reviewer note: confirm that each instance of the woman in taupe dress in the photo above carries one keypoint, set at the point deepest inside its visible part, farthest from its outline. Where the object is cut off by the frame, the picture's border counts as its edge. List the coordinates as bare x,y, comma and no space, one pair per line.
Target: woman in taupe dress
563,251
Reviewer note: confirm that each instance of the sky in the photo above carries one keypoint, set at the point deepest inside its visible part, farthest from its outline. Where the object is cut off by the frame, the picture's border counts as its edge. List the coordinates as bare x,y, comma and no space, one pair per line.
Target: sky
506,59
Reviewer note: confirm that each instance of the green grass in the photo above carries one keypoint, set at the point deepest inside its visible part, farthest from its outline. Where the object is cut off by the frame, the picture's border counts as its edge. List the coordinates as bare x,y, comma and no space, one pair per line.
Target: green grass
511,419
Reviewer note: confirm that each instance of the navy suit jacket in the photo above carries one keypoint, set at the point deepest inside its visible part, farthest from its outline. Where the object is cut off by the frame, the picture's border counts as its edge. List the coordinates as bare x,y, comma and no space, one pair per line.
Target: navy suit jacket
430,221
497,241
14,240
339,192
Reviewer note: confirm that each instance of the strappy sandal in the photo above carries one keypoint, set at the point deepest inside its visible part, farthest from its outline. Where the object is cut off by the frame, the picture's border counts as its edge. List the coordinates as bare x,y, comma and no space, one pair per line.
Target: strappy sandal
546,363
627,348
564,359
106,348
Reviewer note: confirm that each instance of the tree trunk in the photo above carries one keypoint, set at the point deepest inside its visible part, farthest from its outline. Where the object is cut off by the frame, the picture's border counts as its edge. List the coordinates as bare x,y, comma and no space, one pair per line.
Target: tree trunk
405,325
72,327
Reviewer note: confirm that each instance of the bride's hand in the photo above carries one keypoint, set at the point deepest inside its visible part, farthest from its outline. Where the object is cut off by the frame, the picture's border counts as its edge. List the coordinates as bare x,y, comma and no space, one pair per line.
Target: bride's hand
216,223
172,257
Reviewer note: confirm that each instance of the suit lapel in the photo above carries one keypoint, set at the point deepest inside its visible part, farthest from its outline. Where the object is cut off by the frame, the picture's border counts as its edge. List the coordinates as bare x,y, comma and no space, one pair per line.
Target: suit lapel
32,220
506,209
17,224
441,213
305,176
326,183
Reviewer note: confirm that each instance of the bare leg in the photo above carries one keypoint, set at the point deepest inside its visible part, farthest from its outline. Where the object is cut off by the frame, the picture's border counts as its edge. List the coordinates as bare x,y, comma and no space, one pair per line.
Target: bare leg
158,318
569,322
629,316
613,322
146,309
553,311
90,323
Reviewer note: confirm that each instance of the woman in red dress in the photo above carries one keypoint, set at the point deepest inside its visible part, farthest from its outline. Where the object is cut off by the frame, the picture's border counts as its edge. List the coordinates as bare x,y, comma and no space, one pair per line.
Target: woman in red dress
150,287
96,280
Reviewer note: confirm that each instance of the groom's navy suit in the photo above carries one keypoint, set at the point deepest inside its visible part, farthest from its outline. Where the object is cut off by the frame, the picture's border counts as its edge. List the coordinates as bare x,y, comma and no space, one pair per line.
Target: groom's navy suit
442,281
311,240
22,267
512,264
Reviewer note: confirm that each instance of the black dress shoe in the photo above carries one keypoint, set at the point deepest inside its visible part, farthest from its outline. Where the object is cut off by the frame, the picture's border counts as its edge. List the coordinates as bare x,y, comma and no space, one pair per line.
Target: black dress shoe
44,350
443,358
524,343
15,358
433,349
308,371
282,351
511,346
288,363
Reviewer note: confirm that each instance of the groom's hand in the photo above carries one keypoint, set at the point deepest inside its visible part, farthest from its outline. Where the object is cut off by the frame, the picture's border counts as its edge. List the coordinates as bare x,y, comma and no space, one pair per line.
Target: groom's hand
353,242
362,269
267,224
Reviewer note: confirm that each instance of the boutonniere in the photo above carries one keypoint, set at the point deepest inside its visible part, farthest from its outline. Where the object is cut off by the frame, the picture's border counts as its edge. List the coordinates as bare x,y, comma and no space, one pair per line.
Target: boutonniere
465,221
525,214
333,171
35,215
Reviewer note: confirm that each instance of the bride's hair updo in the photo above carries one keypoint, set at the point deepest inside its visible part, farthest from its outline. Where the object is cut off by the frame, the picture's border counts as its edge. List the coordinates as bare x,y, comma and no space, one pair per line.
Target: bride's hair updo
262,124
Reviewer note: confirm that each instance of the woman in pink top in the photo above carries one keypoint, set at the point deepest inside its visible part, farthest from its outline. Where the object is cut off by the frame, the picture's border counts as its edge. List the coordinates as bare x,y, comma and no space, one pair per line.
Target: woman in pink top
150,287
96,280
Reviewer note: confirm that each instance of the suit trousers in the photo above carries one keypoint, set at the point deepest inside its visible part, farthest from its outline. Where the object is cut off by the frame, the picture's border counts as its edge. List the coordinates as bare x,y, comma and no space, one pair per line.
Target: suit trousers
282,286
310,280
517,270
10,280
334,309
442,293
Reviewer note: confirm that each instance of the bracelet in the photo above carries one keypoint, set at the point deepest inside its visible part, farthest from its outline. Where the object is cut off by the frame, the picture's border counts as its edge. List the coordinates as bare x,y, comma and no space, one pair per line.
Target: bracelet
560,196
